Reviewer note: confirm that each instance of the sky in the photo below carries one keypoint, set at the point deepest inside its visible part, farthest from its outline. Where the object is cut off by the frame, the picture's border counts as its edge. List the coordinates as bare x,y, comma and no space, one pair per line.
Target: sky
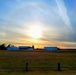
38,22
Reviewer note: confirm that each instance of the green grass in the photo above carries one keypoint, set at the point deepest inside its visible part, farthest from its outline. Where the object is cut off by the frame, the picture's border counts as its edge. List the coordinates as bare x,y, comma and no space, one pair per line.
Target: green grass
40,63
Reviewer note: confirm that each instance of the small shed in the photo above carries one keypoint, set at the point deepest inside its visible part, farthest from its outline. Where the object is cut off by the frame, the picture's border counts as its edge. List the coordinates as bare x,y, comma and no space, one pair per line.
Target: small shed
30,49
51,48
13,48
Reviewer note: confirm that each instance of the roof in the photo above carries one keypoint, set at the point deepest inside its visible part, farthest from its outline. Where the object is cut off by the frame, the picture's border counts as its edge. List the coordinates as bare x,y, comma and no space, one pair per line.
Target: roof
50,47
23,46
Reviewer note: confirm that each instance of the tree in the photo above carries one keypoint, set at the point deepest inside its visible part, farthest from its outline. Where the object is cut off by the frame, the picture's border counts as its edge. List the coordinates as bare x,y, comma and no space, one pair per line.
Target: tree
2,47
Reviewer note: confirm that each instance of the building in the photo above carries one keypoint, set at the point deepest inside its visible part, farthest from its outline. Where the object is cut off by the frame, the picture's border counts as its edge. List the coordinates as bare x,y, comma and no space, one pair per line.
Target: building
12,48
20,48
51,48
25,48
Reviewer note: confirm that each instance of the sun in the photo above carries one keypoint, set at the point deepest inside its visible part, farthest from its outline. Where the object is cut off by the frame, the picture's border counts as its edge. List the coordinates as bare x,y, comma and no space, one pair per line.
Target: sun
35,32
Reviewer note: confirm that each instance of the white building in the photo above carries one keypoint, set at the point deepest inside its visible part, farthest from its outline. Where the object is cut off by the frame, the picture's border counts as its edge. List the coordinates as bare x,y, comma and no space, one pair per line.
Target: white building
51,48
13,48
20,48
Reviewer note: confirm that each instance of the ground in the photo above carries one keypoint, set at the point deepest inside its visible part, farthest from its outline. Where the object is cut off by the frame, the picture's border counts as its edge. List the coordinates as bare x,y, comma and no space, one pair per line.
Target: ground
39,62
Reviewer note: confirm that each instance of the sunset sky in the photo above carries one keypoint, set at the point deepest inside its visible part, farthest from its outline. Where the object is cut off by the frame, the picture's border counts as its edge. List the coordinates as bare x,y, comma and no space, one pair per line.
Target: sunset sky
38,22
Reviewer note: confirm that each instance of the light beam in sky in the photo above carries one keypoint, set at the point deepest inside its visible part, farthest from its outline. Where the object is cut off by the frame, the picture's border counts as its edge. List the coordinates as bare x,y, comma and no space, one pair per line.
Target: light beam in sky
63,13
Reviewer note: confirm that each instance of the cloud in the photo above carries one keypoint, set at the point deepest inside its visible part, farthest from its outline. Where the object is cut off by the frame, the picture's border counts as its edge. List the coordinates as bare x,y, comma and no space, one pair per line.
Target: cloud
63,13
68,44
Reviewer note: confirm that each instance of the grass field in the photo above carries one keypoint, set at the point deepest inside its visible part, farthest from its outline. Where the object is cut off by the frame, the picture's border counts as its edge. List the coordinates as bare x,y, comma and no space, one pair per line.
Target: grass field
40,62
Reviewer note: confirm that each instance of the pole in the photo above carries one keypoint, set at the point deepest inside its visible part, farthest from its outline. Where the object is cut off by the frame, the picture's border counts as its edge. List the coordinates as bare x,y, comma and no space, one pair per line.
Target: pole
26,67
58,66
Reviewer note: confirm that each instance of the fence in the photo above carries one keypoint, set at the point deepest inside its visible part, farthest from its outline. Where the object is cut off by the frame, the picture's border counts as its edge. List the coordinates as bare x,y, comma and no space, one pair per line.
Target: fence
38,67
58,68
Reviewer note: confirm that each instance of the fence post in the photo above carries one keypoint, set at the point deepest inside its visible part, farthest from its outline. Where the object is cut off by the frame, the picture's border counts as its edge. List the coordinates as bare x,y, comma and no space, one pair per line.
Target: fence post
58,66
26,67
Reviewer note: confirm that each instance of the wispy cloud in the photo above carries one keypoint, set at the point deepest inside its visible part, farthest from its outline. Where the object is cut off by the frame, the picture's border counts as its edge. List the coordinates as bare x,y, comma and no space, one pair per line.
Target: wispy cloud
63,13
